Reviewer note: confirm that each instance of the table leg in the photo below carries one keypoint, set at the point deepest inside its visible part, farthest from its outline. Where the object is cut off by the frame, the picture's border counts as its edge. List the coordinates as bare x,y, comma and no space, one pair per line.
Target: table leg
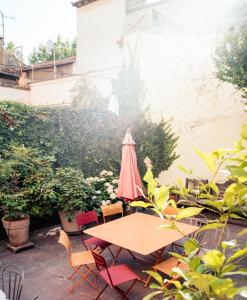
158,259
116,256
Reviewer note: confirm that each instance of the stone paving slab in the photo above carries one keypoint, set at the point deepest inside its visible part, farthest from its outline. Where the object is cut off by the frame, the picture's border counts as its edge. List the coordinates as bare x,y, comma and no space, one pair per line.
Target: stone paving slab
46,269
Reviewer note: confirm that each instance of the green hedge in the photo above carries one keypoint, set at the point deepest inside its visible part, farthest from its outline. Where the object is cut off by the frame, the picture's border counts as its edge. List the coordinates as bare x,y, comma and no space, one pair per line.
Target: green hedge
85,139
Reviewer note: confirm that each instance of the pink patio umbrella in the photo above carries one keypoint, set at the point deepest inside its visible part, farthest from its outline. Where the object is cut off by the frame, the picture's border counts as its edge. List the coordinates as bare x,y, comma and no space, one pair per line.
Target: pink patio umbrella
129,179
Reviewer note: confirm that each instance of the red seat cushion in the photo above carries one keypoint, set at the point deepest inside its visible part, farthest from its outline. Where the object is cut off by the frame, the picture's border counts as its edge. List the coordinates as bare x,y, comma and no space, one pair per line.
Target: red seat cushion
119,274
97,242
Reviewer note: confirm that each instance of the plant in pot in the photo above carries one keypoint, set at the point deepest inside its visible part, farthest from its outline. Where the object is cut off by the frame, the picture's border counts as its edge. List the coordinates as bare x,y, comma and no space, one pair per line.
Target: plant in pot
24,190
72,193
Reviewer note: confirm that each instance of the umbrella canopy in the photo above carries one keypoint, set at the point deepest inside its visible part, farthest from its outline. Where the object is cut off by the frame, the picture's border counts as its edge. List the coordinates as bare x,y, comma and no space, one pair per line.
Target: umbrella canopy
129,179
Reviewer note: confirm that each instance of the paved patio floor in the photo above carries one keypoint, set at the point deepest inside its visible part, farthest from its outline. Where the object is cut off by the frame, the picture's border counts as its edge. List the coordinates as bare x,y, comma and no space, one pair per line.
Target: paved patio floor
46,269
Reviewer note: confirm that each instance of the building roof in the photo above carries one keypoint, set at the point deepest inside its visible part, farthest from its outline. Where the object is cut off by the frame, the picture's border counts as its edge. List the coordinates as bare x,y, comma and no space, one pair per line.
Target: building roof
49,63
80,3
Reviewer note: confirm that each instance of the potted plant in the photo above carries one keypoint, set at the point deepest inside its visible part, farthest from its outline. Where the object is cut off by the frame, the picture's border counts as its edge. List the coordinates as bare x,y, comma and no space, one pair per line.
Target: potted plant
24,190
71,192
174,192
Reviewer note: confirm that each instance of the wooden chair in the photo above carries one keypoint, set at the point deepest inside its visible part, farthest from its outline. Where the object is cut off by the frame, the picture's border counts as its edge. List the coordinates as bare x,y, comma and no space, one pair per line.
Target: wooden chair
115,276
77,260
112,209
86,218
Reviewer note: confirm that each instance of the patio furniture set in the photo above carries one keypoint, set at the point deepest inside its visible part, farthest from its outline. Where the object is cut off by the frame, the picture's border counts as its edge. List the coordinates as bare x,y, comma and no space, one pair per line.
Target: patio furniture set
137,233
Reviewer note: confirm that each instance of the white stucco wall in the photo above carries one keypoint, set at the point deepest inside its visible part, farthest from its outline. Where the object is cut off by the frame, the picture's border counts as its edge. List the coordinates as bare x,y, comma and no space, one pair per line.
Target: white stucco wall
51,92
99,26
17,95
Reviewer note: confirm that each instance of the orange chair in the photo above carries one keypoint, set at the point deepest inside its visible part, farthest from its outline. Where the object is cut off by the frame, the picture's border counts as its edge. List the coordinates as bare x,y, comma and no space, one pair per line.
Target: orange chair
77,260
112,209
166,267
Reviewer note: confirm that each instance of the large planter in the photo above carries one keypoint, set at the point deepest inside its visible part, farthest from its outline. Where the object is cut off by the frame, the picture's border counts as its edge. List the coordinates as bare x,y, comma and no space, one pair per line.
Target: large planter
69,227
17,231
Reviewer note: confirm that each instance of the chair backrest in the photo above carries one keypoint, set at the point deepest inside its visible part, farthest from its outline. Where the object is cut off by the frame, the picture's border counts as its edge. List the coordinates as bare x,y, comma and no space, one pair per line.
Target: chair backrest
12,281
64,240
213,236
101,264
199,221
112,209
86,218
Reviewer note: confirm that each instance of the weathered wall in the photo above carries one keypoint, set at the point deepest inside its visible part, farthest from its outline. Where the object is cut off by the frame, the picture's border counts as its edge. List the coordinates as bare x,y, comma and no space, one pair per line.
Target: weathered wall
99,27
57,91
18,95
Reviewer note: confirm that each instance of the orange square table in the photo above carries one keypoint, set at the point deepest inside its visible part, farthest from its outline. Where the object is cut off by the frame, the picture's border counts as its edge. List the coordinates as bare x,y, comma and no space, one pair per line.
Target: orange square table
139,233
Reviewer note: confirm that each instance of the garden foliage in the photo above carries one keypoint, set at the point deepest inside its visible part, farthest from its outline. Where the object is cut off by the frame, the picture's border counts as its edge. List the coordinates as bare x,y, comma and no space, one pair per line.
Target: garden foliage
230,59
85,139
212,273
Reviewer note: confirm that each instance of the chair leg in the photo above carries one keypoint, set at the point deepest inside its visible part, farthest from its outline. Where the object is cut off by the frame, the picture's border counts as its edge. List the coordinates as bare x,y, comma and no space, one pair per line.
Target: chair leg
131,286
84,277
121,292
102,291
75,271
111,252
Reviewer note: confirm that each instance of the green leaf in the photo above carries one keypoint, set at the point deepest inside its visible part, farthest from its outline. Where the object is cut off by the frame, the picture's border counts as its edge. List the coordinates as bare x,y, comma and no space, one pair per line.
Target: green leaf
208,159
211,226
214,259
156,276
242,232
229,244
214,187
188,212
237,254
184,170
243,292
162,197
191,245
152,295
176,283
140,204
244,131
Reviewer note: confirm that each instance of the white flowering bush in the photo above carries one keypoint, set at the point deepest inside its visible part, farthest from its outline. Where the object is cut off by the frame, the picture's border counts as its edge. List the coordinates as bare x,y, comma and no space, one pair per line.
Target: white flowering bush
104,189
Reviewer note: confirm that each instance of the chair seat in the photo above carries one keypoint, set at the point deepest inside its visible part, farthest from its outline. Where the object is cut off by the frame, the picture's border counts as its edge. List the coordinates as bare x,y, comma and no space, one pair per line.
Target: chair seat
119,274
82,258
97,242
167,265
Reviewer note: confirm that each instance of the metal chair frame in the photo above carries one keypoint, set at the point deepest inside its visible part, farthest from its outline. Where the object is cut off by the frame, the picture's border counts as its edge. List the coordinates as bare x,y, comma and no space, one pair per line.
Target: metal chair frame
101,265
86,218
14,275
64,240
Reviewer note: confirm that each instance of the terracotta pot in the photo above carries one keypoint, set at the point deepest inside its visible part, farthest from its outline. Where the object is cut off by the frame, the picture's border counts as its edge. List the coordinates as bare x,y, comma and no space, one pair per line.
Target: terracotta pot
69,227
17,231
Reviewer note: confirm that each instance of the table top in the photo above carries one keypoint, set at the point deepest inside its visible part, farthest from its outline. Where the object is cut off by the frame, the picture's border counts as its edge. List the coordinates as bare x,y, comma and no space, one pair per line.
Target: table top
139,233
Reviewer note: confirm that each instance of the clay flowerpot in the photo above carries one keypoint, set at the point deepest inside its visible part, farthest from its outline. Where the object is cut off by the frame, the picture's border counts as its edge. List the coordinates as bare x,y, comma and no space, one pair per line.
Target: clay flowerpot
17,231
69,227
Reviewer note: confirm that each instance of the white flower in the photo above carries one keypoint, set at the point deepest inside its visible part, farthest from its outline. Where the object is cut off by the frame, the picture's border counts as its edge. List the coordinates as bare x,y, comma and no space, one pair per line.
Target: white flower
107,184
101,179
94,197
90,179
116,190
98,192
110,189
113,196
104,172
96,178
115,181
106,202
109,173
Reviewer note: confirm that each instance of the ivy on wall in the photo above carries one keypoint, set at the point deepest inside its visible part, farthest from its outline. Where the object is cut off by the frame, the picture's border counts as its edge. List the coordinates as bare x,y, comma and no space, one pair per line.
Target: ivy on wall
86,139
